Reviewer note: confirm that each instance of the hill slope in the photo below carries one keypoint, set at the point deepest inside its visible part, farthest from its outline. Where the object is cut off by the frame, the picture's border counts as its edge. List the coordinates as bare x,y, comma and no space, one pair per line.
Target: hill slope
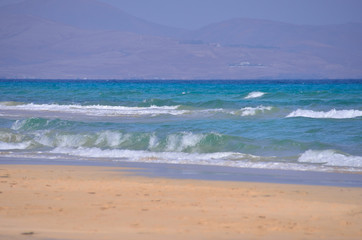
87,39
88,14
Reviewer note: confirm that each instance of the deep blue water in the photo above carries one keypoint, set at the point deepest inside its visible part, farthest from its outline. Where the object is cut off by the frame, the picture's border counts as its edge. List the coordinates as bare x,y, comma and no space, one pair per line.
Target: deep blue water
301,125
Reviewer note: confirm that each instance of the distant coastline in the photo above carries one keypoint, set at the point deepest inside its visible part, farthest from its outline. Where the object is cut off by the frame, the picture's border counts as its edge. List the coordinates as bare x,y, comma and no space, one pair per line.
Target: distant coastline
222,81
43,43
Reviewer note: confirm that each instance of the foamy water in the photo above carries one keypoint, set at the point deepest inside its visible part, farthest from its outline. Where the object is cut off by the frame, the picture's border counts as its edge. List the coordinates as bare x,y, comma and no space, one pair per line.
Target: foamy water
336,114
331,158
251,111
94,110
255,95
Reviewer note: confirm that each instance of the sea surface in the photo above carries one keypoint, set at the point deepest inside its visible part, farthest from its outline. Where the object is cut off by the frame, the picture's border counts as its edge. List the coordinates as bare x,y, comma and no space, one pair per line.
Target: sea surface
311,125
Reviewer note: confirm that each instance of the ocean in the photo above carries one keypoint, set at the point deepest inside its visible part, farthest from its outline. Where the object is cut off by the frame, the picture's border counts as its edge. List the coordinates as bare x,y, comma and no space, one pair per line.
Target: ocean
301,125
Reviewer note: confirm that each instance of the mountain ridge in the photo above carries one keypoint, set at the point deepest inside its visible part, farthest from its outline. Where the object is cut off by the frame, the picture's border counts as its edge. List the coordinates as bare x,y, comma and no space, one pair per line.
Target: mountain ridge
67,44
94,15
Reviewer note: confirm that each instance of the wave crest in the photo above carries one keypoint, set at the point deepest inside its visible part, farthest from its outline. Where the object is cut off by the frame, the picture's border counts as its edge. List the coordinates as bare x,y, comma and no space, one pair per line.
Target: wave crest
330,158
40,136
96,110
251,111
254,95
218,158
334,114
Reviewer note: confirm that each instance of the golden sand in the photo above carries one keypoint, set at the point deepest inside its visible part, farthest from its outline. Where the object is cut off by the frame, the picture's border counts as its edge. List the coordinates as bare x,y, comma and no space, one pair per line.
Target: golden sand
71,202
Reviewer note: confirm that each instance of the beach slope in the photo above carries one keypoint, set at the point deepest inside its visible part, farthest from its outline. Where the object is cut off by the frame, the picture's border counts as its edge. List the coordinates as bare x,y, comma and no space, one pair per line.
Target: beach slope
72,202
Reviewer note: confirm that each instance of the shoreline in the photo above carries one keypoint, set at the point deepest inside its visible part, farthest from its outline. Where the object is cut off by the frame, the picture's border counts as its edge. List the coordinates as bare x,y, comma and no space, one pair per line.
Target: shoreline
210,172
98,202
150,80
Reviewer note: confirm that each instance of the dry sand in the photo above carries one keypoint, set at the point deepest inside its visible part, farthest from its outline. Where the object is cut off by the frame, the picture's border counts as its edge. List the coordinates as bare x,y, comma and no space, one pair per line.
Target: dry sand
69,202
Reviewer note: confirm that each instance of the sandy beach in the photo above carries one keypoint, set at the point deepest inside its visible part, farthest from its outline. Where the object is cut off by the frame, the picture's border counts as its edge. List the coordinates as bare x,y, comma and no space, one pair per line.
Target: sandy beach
78,202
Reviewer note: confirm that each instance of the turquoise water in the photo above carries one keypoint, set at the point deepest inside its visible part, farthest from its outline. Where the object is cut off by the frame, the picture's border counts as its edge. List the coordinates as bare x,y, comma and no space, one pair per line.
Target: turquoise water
294,125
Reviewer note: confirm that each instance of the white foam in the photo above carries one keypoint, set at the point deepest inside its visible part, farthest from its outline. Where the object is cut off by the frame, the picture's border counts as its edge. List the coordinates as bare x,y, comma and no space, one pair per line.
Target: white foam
330,158
96,110
70,140
336,114
251,111
167,157
14,146
109,138
178,143
153,142
254,95
44,139
118,111
18,124
231,159
49,139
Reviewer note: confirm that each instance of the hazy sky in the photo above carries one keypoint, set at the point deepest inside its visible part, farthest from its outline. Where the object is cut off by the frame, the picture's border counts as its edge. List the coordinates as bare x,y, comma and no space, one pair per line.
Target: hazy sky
196,13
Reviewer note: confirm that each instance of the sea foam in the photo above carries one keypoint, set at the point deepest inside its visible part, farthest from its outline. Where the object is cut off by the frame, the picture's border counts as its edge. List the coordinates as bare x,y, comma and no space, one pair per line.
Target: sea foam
254,95
96,110
251,111
59,111
218,158
330,158
336,114
230,159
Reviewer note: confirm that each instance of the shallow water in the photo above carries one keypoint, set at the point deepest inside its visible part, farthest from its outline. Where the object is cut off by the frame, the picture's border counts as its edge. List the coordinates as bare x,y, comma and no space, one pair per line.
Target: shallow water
293,125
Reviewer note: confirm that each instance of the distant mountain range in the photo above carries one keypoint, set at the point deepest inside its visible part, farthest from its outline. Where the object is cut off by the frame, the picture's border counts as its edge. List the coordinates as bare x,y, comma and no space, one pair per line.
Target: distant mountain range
77,39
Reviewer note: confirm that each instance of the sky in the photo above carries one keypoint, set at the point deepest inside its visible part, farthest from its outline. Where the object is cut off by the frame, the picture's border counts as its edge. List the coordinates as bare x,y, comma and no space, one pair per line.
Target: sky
193,14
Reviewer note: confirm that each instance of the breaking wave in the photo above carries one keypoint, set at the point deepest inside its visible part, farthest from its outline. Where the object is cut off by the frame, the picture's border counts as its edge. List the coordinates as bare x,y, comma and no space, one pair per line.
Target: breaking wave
95,110
251,111
166,157
254,95
59,111
331,158
14,146
40,136
230,159
12,141
40,123
178,148
335,114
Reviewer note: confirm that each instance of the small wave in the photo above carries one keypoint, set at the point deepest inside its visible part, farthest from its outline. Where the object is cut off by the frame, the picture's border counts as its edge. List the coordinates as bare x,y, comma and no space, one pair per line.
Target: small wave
96,110
37,132
39,123
330,158
62,111
254,95
335,114
230,159
218,158
251,111
181,142
158,102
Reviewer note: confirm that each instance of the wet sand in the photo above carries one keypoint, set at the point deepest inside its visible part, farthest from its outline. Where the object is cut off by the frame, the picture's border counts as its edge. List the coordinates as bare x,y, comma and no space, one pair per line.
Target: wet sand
80,202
